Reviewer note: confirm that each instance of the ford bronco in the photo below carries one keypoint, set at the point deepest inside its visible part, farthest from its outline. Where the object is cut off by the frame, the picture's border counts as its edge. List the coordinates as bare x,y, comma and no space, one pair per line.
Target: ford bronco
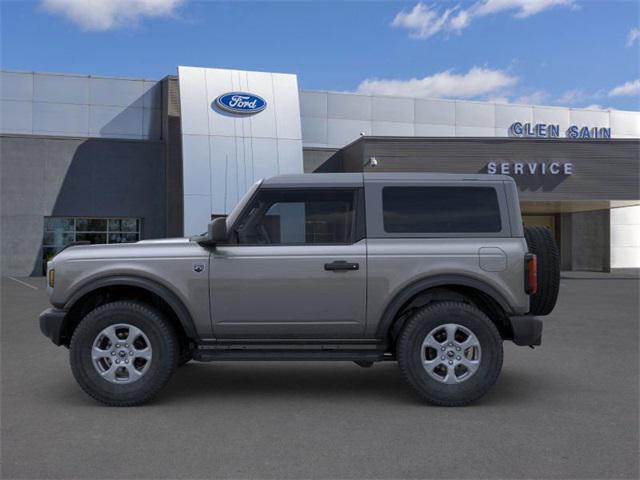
433,271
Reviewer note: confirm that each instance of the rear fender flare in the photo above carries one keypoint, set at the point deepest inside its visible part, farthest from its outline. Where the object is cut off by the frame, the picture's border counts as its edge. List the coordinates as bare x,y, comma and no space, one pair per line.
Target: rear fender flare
408,292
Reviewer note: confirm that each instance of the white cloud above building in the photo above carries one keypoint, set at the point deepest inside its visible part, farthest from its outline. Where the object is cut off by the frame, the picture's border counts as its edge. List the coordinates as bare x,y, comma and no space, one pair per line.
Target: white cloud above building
477,82
629,88
101,15
424,21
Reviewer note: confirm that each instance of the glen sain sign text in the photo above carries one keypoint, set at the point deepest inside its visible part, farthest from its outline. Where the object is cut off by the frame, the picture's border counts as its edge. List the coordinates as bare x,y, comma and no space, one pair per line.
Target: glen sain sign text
547,130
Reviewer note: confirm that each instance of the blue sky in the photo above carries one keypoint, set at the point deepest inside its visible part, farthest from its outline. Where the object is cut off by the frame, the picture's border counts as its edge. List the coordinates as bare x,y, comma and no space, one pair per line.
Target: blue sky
562,52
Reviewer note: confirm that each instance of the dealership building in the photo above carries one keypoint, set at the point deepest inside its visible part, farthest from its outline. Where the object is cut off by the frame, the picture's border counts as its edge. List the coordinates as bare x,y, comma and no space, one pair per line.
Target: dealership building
110,160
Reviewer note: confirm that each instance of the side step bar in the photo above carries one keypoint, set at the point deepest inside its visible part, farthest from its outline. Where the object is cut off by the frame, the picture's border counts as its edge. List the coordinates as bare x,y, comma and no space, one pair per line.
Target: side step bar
293,350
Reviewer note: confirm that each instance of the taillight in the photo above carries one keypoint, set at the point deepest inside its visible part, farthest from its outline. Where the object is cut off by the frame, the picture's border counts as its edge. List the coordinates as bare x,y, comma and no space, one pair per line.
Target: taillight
531,273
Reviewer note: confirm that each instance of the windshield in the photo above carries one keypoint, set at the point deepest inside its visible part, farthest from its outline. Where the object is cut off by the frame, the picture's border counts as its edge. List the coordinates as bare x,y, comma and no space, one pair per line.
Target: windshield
233,216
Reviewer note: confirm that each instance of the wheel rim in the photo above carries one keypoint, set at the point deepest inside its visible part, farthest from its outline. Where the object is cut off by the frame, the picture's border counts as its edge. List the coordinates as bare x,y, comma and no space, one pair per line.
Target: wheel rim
121,353
451,353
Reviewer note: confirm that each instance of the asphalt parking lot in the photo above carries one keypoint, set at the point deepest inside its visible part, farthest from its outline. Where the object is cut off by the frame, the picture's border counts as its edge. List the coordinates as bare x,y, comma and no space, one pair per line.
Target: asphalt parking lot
566,410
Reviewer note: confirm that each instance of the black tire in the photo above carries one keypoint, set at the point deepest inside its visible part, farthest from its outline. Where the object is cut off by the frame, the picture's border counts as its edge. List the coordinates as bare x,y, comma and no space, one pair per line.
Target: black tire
164,358
410,353
541,242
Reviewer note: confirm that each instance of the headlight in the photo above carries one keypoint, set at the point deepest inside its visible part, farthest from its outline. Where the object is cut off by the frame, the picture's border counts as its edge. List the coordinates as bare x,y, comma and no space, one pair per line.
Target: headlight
52,277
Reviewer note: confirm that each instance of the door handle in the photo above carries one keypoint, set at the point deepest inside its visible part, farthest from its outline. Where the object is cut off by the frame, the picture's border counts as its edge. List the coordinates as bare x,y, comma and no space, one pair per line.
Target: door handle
341,265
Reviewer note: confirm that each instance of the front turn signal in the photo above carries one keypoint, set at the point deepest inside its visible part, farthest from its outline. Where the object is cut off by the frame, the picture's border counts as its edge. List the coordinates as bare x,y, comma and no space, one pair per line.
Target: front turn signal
52,277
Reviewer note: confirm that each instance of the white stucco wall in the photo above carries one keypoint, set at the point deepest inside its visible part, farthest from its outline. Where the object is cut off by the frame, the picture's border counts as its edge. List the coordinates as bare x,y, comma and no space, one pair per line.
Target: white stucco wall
334,119
224,154
625,237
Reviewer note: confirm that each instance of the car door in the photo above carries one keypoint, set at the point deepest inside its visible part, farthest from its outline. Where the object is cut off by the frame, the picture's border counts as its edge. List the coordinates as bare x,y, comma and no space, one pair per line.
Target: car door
295,267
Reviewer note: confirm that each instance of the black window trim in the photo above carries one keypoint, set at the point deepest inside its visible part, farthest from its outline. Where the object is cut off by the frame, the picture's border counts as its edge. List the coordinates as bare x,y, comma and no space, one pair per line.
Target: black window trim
374,218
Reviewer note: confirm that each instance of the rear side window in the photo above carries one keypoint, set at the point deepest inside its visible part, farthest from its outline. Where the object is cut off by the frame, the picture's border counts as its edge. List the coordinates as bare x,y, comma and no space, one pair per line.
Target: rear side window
440,210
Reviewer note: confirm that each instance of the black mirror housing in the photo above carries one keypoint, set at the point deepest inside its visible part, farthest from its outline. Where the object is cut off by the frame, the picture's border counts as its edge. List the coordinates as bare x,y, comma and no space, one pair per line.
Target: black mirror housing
217,231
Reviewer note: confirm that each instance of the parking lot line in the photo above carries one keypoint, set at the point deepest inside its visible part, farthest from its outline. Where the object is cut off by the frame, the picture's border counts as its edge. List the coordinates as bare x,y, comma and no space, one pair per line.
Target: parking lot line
23,283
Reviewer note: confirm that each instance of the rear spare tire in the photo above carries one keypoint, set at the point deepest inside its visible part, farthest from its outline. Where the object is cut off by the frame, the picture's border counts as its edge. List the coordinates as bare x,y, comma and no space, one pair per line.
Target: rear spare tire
541,243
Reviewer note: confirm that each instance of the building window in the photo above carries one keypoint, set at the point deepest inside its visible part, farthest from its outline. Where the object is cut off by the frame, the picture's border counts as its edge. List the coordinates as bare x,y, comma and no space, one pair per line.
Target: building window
440,210
61,231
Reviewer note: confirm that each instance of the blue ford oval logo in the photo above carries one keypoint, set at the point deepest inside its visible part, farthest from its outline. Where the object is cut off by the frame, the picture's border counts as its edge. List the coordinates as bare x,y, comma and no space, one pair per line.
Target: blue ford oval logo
241,103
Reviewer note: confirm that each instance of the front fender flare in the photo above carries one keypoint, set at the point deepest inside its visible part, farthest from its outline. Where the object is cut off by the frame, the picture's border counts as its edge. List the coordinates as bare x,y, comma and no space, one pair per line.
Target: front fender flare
176,304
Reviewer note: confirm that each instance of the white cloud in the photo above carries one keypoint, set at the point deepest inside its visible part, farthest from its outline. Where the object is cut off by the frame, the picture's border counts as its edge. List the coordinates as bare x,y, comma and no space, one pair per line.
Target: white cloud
571,97
524,8
538,97
595,106
424,22
633,36
629,88
475,83
99,15
421,21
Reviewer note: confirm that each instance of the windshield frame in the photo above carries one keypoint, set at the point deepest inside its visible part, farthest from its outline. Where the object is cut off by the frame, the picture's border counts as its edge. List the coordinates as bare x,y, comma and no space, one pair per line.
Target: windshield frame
237,210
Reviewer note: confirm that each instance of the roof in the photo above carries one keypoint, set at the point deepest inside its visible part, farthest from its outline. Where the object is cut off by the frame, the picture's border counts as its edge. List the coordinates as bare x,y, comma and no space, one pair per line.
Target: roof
357,179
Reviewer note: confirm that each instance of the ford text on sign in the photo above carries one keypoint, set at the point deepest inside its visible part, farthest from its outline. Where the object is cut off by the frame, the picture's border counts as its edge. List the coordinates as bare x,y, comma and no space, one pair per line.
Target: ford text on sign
240,103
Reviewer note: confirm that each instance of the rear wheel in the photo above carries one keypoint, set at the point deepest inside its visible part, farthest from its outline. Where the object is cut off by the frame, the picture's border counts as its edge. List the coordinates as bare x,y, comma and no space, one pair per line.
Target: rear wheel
540,241
450,353
123,353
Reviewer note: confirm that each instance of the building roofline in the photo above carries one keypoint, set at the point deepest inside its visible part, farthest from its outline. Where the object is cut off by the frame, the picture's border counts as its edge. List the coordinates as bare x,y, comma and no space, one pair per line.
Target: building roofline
463,100
78,75
381,138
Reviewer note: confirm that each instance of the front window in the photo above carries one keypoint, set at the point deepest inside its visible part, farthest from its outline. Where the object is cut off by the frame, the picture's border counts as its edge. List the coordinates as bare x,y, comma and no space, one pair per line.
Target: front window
298,217
61,231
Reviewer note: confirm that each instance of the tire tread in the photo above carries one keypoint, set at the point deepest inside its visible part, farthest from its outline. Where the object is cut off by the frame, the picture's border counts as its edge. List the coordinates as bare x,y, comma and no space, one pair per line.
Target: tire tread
166,331
541,242
403,354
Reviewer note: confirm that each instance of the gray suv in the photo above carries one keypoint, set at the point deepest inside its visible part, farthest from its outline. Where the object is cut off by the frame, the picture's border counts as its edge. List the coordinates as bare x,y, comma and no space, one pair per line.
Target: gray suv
433,271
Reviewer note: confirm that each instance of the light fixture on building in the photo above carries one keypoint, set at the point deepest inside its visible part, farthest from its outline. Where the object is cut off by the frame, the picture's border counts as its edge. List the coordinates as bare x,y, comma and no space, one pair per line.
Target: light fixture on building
372,162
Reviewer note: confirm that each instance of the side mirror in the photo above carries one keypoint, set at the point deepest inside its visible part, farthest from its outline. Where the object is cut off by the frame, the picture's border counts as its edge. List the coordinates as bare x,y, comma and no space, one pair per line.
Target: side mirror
217,230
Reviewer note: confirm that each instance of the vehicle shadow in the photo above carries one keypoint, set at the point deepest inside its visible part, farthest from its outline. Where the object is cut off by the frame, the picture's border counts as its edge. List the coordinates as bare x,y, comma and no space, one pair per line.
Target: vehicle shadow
286,380
310,381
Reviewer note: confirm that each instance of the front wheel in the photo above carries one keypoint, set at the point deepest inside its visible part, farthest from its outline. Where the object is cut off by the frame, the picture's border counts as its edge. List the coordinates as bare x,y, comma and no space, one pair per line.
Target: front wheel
450,353
123,353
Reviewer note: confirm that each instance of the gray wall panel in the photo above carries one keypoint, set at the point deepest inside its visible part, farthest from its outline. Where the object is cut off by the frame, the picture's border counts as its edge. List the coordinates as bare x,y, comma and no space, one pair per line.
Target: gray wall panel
80,106
347,106
603,170
389,109
313,104
44,176
16,86
590,241
61,118
435,112
116,92
60,89
16,117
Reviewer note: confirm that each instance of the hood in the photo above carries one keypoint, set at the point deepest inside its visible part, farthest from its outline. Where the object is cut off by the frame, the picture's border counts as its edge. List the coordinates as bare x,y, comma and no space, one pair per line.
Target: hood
165,240
145,248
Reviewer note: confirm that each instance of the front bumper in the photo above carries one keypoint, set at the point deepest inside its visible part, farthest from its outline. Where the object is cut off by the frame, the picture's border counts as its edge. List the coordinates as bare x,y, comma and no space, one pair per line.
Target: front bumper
527,330
52,323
